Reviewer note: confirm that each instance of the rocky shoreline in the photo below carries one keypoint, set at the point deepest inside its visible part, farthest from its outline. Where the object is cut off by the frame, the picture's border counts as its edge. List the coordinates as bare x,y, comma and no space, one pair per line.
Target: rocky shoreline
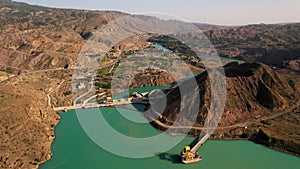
253,134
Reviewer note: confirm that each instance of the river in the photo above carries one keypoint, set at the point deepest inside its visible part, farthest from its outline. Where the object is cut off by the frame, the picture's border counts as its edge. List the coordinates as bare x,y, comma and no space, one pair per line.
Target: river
73,149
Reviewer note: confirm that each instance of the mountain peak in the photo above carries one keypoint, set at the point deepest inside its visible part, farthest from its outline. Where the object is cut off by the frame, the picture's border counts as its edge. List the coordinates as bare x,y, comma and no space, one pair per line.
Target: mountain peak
253,89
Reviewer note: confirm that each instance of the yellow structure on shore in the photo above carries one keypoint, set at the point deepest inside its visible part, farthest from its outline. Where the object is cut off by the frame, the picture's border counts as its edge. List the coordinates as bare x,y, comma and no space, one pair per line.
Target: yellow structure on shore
124,100
109,100
187,156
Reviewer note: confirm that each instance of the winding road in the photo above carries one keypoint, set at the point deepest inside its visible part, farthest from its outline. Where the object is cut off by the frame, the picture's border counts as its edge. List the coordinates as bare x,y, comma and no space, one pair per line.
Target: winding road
244,124
51,91
90,90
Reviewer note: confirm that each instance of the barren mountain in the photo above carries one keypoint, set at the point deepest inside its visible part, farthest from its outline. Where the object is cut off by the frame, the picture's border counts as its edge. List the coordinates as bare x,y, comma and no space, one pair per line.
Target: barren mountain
275,45
254,92
34,37
37,46
252,89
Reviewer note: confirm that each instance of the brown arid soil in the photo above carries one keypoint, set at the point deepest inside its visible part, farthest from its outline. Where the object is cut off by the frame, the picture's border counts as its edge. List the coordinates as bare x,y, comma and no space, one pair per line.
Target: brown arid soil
37,51
151,78
273,121
39,46
275,45
27,120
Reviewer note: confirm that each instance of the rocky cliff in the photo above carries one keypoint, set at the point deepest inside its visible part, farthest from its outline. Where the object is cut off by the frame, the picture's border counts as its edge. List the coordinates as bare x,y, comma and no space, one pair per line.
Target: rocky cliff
253,89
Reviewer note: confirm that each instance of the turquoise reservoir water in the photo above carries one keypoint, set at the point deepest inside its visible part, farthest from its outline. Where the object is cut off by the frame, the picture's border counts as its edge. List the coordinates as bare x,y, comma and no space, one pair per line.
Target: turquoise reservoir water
73,149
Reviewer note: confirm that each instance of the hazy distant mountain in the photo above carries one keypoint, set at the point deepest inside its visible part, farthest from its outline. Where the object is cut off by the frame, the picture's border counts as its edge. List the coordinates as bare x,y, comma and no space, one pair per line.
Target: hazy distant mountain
205,26
275,45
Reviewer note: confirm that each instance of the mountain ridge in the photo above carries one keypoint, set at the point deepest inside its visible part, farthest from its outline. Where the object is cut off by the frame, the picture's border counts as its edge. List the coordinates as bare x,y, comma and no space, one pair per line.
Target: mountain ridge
256,98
